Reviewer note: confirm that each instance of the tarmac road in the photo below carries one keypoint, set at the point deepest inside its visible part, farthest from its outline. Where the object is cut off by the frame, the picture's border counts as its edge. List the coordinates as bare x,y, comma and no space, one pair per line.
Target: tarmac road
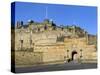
44,68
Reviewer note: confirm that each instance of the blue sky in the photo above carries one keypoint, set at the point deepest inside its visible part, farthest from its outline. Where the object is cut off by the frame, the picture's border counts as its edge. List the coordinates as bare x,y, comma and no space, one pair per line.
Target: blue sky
83,16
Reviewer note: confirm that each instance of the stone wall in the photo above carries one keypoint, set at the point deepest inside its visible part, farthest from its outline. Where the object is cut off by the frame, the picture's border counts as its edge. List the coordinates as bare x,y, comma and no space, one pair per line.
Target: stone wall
44,47
83,49
24,58
51,52
42,54
29,38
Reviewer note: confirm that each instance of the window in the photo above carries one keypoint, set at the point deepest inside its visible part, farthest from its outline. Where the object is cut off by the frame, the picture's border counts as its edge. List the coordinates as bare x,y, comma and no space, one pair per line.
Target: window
45,27
38,29
30,41
81,56
21,41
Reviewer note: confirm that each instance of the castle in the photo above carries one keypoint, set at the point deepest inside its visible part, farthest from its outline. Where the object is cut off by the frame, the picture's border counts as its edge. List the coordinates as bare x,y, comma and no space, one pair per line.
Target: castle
46,43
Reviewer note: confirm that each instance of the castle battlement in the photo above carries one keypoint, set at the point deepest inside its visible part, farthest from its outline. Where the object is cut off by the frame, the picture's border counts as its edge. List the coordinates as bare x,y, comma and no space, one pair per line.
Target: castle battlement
47,42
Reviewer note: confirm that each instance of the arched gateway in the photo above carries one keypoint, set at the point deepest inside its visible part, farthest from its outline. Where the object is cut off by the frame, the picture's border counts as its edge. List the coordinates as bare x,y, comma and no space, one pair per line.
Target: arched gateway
74,55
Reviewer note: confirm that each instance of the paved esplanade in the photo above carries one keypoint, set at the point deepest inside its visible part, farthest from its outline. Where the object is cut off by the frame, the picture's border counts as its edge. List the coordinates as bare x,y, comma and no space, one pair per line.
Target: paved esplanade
68,66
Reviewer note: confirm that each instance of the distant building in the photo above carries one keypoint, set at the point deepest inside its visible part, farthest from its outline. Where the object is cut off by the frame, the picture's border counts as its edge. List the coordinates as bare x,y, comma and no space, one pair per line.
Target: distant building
47,43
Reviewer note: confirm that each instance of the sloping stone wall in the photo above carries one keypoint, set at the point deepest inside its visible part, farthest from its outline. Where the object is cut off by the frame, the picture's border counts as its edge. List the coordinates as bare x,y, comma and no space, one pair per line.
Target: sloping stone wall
28,58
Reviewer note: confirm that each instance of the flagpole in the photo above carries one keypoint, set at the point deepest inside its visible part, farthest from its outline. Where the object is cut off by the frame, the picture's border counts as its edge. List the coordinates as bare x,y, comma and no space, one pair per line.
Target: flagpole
46,16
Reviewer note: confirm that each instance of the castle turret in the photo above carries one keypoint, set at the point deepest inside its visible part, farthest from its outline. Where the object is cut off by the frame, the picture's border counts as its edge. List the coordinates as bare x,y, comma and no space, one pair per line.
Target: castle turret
46,21
73,28
19,24
30,21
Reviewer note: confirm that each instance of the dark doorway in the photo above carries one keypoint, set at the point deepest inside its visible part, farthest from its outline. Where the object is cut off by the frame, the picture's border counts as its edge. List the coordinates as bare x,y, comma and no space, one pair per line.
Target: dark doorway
73,53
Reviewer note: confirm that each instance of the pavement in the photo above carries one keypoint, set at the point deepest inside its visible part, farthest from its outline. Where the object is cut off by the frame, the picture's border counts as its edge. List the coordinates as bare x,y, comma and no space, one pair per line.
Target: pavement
56,67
